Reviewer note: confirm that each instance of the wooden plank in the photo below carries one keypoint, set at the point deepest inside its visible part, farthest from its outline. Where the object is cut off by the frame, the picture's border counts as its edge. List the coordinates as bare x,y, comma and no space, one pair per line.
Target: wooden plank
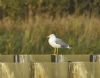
6,58
0,71
97,70
44,58
12,70
50,70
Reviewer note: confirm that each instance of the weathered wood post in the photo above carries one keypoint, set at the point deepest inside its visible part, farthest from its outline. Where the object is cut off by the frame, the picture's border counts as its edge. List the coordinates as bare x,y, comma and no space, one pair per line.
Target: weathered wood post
16,58
70,69
57,68
93,58
25,59
60,58
57,58
22,58
98,58
32,70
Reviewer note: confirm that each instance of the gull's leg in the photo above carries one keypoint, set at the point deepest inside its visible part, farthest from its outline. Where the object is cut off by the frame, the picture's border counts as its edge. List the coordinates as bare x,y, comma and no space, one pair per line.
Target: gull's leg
57,50
54,51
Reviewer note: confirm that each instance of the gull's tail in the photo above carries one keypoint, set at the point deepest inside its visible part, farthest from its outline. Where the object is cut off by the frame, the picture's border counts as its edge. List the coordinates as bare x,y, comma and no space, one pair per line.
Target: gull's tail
69,47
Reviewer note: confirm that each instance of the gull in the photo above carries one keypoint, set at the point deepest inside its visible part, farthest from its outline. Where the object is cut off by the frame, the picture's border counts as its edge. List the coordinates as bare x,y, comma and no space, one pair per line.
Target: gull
57,43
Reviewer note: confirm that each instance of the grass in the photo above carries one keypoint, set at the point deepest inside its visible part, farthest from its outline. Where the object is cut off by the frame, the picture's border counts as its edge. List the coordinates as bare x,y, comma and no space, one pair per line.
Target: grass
29,37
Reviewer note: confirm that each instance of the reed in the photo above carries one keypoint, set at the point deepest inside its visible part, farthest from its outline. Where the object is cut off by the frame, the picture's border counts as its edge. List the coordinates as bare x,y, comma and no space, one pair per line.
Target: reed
24,37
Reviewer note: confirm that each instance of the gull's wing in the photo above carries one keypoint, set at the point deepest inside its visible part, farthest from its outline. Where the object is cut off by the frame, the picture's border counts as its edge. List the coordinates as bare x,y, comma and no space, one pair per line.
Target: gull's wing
60,42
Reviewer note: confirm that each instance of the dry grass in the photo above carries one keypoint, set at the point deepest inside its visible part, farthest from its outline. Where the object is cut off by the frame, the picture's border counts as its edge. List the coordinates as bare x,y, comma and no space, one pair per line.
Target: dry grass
81,32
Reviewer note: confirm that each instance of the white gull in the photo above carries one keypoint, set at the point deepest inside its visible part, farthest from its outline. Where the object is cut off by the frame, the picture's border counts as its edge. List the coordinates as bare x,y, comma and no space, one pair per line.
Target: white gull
57,43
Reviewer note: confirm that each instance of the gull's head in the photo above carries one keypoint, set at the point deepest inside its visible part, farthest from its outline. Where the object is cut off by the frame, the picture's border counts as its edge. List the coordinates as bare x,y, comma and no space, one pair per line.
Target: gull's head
51,35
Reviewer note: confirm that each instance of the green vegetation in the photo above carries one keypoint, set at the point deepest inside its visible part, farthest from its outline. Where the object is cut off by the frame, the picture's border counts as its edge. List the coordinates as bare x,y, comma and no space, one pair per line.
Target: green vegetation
25,24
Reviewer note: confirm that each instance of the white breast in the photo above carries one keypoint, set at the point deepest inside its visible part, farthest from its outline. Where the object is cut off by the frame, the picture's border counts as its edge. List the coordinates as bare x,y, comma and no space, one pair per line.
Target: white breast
53,43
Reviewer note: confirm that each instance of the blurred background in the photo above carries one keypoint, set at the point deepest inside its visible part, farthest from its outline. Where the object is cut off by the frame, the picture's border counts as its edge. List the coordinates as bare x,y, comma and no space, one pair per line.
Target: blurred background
25,25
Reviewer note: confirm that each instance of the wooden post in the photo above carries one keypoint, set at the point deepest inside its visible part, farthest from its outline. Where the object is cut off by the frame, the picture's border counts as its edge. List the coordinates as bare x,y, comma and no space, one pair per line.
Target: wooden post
32,70
93,58
70,69
98,58
16,58
57,58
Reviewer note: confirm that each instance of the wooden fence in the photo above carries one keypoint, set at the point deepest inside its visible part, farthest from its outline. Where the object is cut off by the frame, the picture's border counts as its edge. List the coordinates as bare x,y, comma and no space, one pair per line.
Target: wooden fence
42,66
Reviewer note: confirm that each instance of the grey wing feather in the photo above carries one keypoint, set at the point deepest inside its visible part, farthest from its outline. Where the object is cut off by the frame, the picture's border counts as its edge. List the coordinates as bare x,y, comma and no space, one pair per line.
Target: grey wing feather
59,41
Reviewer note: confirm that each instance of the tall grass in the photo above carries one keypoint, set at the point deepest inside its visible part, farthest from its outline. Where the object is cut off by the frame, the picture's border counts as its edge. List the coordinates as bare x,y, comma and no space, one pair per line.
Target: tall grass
24,37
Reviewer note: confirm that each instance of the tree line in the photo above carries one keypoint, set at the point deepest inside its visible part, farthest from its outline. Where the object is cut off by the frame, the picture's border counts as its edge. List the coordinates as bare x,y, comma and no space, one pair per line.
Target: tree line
24,8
